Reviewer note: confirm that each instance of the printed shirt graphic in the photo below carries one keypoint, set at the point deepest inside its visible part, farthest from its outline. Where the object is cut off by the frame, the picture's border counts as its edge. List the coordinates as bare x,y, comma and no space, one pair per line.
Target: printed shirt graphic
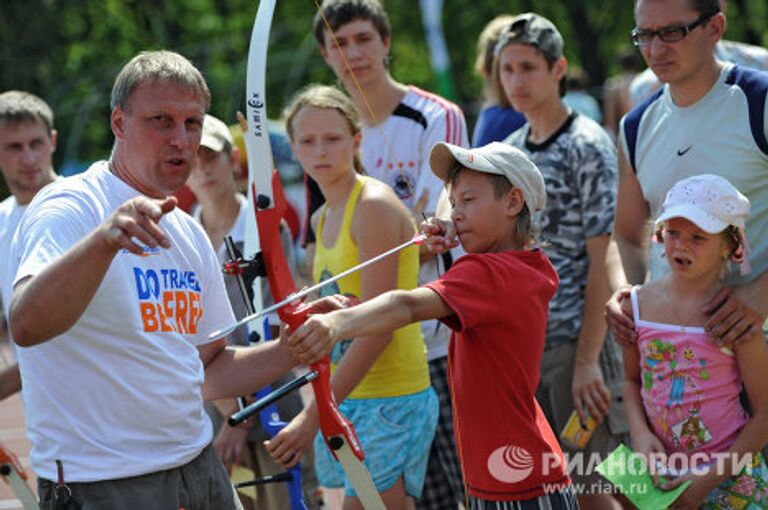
119,393
169,299
690,387
401,368
580,171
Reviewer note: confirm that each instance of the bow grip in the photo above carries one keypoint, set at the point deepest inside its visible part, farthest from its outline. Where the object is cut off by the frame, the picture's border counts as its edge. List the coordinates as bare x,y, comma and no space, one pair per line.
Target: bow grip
294,314
333,425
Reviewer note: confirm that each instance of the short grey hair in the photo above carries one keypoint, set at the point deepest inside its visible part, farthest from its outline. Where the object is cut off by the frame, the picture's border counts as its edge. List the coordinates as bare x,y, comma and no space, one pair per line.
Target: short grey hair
18,106
158,65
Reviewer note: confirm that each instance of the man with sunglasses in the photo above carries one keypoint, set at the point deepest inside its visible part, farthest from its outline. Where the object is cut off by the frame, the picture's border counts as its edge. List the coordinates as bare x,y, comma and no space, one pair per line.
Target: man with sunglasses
747,55
709,117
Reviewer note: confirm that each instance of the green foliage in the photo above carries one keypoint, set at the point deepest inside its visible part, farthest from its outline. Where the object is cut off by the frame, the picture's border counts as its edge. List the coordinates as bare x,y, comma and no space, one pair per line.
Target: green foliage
69,52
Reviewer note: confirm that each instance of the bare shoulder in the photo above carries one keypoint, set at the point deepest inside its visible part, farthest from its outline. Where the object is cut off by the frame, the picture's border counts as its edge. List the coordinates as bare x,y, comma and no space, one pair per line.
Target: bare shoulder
376,198
650,297
375,191
379,210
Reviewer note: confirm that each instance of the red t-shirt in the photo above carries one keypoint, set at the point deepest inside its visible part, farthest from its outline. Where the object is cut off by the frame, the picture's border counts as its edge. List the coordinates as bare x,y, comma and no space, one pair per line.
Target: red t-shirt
500,302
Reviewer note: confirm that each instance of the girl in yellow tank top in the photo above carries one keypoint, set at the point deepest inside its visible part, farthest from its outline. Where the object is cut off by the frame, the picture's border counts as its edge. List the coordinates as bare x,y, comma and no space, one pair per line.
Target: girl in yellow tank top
399,369
383,381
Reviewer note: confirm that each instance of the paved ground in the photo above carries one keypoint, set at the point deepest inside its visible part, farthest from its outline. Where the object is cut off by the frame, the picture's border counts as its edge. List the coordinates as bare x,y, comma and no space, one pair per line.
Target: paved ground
12,435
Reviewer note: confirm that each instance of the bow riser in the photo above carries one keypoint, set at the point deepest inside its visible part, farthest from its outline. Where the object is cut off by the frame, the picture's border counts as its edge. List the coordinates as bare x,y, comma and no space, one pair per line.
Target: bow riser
332,422
260,166
268,202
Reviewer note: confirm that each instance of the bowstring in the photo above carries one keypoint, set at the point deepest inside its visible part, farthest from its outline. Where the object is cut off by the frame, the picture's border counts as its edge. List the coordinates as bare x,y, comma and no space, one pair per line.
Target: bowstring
398,164
400,170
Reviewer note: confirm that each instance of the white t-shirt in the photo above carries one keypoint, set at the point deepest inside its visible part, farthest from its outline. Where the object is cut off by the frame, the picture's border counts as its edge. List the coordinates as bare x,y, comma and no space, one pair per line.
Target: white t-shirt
10,214
119,394
397,153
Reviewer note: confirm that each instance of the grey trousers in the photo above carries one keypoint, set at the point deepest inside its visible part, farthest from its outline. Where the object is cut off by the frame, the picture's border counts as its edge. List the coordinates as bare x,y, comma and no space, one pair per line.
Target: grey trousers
201,484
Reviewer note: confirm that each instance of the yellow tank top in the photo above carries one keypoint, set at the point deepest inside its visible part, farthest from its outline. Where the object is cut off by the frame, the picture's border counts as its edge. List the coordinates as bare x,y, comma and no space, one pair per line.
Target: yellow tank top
401,369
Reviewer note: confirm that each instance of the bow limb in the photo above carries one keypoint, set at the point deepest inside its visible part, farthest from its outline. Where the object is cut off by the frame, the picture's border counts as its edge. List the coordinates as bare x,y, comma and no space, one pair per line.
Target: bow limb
256,138
12,472
265,196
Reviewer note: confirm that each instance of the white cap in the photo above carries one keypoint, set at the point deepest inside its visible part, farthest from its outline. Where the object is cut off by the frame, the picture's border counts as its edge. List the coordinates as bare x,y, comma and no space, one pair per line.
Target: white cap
495,158
712,203
709,201
216,134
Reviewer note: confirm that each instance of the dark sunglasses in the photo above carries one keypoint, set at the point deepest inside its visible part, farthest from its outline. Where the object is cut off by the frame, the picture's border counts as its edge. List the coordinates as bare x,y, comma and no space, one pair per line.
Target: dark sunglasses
672,34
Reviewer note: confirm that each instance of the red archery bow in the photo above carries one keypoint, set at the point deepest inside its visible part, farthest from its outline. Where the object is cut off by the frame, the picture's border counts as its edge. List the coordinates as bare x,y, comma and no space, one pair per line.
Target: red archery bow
268,202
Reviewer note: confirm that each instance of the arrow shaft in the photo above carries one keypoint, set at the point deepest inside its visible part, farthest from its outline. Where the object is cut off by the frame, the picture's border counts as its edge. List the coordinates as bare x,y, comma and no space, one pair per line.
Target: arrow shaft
298,295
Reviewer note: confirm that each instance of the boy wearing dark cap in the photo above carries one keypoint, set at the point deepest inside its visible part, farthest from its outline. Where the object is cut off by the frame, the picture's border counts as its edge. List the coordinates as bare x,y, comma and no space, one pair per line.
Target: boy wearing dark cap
580,371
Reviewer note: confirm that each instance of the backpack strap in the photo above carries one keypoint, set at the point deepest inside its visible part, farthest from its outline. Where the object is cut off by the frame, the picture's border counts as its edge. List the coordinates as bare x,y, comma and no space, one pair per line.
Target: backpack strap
754,84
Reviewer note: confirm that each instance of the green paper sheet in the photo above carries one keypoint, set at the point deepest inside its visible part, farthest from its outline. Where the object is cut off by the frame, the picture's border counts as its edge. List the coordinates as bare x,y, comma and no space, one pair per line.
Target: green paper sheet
627,471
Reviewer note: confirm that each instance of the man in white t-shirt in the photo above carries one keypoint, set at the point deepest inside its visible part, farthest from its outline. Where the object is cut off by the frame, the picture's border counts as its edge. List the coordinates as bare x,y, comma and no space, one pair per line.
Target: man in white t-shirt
27,143
115,295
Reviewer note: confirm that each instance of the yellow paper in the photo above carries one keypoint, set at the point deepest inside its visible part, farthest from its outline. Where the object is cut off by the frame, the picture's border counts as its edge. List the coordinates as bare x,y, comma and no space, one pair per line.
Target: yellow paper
574,434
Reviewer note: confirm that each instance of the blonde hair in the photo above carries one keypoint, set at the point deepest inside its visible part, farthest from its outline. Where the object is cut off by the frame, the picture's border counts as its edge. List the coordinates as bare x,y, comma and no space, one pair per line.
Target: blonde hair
326,97
158,65
486,43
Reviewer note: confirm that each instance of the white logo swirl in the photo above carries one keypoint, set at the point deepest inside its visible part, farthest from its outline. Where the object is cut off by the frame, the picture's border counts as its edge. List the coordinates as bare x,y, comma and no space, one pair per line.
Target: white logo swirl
510,464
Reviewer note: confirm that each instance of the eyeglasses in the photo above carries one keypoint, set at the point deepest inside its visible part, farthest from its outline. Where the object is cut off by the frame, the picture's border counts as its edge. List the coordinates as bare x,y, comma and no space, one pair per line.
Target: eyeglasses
672,34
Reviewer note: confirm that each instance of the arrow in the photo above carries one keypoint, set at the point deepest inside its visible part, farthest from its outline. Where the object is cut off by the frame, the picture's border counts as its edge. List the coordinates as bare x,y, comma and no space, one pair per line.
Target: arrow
418,239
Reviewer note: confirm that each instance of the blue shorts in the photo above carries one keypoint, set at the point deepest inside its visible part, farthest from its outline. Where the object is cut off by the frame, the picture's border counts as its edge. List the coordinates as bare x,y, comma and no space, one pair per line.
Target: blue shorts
395,434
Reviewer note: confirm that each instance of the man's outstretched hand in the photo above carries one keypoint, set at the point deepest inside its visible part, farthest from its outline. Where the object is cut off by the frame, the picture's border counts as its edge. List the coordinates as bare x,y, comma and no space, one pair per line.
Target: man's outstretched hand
136,221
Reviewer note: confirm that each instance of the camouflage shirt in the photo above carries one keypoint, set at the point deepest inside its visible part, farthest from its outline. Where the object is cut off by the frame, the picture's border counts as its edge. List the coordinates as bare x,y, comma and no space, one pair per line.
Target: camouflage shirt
579,166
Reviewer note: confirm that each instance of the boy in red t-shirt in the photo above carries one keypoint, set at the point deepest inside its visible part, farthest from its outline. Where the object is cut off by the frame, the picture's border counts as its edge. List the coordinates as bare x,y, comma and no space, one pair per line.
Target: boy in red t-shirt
495,299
